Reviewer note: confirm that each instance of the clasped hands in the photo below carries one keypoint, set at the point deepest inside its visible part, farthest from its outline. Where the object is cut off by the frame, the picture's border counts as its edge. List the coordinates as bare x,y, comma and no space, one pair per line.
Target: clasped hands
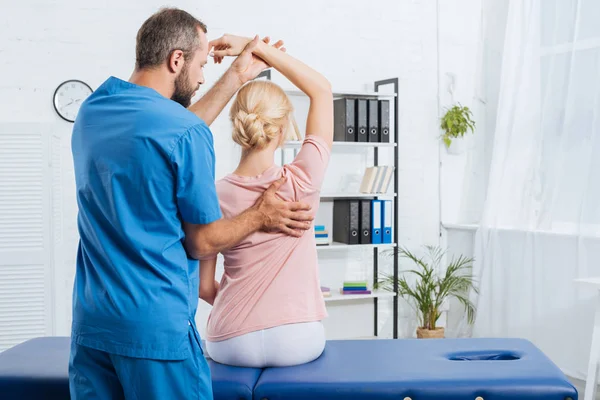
247,65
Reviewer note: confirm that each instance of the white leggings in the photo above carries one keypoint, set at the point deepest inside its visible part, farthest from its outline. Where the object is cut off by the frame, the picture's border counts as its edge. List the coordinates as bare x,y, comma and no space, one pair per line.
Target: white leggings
281,346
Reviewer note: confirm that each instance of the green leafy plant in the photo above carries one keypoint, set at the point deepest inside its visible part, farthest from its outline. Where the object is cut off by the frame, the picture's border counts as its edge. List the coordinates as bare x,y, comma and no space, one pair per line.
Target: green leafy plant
432,287
456,122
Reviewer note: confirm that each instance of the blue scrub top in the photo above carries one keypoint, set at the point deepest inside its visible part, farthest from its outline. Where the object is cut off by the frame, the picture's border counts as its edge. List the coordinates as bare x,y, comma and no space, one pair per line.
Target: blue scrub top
143,165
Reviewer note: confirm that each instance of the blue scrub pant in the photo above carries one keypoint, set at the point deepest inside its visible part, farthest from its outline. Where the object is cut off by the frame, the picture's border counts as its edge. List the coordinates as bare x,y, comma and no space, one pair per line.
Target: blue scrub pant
95,374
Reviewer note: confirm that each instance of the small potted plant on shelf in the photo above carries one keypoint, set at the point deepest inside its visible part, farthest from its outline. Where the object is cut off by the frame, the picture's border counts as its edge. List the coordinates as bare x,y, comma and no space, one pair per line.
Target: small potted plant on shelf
432,287
455,123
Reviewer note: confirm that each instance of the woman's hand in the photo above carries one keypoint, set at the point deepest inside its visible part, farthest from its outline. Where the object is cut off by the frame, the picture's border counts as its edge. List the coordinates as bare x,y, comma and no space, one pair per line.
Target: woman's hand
232,45
247,65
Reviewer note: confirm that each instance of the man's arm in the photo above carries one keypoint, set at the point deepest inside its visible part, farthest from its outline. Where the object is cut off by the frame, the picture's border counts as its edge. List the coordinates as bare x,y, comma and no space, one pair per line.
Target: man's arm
212,103
269,213
205,240
208,285
245,68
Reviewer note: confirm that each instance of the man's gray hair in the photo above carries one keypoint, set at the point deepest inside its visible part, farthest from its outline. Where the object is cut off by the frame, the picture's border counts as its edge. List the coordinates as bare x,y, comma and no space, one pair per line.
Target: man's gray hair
165,31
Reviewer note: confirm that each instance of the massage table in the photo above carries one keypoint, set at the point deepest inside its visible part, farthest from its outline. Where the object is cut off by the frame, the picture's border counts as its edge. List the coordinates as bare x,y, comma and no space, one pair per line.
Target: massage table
404,369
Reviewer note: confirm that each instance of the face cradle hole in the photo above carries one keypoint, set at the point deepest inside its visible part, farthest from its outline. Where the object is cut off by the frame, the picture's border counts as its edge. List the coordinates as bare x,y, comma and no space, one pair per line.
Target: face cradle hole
494,356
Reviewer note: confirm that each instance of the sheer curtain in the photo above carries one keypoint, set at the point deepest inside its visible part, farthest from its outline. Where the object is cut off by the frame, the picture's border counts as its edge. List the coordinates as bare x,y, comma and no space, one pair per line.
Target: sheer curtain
540,227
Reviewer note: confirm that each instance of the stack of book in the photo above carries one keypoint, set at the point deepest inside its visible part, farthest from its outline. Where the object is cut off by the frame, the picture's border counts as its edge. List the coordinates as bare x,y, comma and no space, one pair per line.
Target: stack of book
377,179
321,235
355,287
326,291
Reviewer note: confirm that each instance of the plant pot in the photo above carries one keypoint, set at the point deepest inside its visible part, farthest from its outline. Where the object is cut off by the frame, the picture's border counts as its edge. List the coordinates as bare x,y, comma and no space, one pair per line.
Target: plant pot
457,147
437,333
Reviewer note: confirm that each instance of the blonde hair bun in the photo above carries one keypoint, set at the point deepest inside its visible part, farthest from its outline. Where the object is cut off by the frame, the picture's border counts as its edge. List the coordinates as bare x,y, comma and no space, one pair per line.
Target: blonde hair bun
261,112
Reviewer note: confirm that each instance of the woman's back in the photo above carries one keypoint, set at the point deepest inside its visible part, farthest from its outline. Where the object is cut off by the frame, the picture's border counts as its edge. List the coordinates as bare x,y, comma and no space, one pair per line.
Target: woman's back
268,308
271,279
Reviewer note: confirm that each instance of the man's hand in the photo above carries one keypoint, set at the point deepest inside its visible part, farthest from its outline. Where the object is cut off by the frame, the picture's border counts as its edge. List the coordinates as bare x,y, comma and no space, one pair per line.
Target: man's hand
247,66
232,45
269,213
291,218
227,46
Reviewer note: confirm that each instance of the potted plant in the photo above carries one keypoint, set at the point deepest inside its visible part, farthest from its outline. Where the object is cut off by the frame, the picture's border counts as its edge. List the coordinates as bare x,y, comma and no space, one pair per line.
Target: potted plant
455,123
432,287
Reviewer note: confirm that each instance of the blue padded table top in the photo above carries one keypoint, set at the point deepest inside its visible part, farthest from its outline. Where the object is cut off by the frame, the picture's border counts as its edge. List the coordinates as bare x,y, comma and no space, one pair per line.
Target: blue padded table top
39,369
426,369
36,369
420,369
233,383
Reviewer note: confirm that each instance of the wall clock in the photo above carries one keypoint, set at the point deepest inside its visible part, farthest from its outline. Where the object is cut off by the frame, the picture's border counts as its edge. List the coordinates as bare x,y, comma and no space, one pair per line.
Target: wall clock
68,98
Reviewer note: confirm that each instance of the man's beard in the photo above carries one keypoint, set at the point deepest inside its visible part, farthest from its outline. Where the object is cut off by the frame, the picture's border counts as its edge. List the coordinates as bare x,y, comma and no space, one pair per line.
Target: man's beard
184,91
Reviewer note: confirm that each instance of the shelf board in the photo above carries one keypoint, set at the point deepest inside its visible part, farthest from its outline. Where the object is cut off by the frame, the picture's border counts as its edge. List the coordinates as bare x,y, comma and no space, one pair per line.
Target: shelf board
337,296
345,94
295,144
342,246
356,195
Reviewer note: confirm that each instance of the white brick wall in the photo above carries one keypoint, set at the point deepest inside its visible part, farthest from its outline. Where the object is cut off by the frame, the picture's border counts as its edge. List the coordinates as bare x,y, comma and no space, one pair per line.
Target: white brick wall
353,43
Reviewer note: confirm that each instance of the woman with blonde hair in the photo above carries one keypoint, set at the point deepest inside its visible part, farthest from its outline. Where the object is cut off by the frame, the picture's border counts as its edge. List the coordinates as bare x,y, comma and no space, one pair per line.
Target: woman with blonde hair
268,307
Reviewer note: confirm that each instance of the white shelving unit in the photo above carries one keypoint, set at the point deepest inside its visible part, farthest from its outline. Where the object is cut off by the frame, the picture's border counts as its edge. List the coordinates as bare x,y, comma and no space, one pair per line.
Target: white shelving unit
293,144
341,195
350,93
342,246
348,297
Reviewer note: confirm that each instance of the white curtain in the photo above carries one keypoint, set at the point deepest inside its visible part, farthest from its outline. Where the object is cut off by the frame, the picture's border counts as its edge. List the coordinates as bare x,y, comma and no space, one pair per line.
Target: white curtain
540,227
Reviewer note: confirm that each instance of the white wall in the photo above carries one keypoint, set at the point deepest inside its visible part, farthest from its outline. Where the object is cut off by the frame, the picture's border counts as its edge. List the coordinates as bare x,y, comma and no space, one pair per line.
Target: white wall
353,43
470,65
470,74
459,74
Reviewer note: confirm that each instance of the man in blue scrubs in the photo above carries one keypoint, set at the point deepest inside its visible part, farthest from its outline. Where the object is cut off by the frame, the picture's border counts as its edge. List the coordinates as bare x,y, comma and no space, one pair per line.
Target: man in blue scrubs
145,179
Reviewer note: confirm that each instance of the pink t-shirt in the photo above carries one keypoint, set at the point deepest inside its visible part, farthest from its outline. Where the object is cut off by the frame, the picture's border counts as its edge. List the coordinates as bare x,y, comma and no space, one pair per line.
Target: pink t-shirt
271,279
